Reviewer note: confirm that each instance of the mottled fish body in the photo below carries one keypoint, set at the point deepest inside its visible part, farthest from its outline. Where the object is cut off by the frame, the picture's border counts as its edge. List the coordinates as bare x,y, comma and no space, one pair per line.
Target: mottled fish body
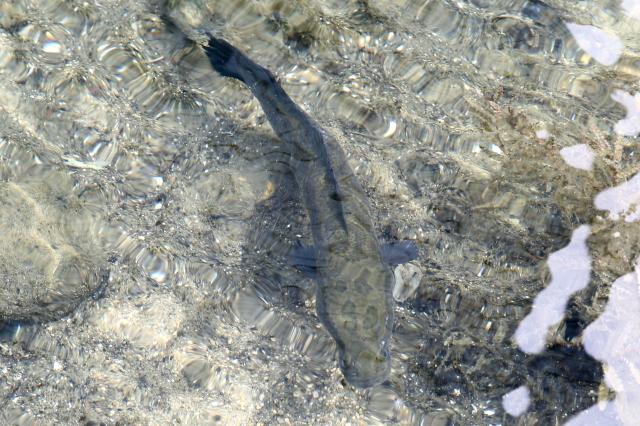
354,283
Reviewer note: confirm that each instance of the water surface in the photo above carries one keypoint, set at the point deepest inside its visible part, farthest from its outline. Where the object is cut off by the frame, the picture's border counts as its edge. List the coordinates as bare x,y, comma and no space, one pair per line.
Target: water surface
147,211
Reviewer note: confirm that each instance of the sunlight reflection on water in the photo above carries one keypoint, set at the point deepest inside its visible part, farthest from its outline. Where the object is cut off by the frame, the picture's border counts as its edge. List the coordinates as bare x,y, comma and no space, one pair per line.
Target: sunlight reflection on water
613,337
486,131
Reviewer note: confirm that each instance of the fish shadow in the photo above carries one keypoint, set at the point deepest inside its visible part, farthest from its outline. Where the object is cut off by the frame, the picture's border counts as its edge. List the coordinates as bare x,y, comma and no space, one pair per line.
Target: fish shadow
278,225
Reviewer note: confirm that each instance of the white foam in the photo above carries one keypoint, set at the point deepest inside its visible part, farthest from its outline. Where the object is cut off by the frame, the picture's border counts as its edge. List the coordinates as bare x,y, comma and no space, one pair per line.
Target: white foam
614,339
579,156
517,401
630,125
605,48
622,199
632,8
600,415
570,271
542,134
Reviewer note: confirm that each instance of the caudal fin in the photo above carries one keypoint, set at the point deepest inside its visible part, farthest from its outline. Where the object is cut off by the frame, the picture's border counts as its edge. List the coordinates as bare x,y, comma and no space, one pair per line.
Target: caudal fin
224,57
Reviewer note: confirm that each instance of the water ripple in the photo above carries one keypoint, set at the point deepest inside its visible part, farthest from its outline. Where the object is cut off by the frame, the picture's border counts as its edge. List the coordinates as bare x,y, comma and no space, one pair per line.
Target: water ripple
131,172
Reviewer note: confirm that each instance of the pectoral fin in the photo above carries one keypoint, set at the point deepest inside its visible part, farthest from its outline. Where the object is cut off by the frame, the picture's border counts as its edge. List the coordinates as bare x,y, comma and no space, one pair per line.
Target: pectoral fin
398,252
303,258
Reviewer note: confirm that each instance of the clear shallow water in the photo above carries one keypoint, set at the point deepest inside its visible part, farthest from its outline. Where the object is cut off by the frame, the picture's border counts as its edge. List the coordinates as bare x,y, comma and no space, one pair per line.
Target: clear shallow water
146,214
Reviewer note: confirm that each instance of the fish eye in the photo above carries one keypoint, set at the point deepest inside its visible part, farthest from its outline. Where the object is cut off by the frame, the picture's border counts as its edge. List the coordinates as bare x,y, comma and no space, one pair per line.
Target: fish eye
344,361
385,352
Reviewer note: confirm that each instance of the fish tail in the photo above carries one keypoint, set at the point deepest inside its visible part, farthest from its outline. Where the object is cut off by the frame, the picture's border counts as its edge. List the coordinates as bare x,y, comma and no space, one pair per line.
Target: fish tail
224,58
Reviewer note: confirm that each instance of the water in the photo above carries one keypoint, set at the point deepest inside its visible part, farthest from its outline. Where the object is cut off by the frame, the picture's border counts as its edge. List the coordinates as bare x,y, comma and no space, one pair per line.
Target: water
146,212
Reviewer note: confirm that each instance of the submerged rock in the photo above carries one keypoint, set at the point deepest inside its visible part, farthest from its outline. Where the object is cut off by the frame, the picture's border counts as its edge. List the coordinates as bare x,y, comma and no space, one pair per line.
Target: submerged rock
50,259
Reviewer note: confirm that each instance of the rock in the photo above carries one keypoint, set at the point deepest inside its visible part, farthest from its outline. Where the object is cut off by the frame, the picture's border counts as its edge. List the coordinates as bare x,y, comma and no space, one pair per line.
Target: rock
408,277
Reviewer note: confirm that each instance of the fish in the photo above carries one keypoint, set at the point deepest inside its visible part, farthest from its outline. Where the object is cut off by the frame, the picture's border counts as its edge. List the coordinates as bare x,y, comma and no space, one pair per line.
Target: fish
352,269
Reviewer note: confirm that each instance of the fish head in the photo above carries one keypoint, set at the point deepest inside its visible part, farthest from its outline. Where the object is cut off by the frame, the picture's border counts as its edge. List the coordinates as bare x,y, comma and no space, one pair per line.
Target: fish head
362,323
365,366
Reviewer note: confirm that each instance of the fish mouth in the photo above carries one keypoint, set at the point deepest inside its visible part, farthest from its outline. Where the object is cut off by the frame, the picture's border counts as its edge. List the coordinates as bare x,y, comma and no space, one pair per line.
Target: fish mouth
366,369
365,382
